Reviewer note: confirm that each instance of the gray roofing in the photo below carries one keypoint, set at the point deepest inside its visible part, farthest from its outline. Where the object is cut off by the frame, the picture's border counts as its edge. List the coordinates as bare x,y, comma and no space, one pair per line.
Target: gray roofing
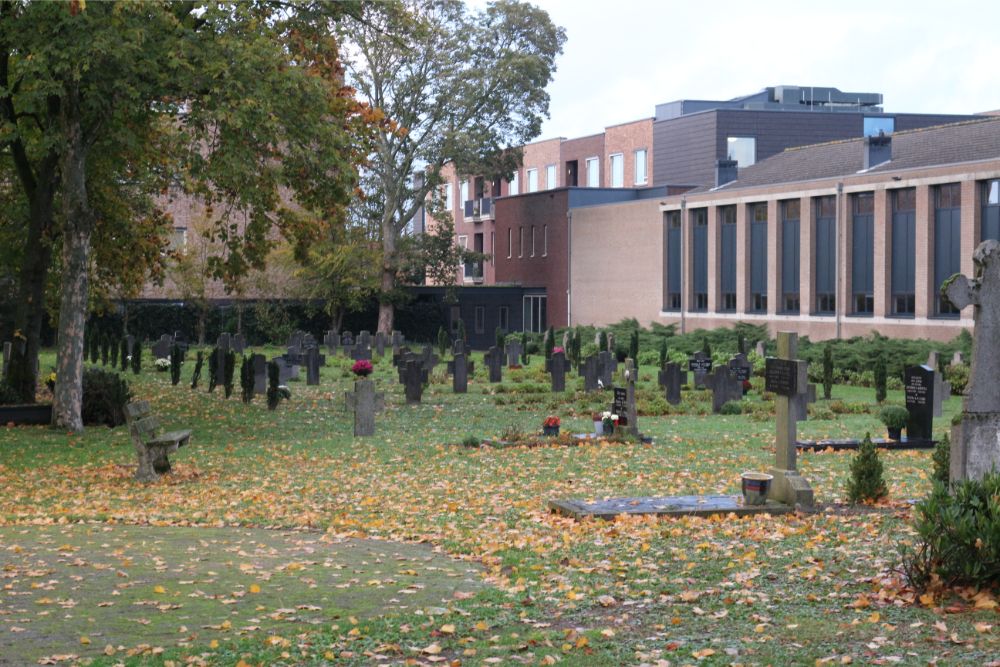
967,141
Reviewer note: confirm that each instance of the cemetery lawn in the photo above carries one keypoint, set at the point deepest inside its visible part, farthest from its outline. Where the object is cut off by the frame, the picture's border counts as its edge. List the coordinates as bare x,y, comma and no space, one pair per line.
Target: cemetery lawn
250,550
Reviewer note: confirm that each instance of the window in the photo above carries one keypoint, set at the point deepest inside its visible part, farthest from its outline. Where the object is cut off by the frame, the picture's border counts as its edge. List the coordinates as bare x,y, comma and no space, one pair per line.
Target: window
456,317
465,191
179,238
879,125
673,255
550,177
904,251
617,170
947,242
545,240
449,198
790,213
514,185
640,166
742,149
510,243
493,246
863,252
727,234
825,247
593,173
532,180
503,318
990,228
758,257
534,313
532,240
520,241
467,268
699,258
480,319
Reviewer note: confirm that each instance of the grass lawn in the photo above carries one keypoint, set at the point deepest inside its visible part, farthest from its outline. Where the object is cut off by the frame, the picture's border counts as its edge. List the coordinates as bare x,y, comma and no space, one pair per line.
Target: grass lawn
497,578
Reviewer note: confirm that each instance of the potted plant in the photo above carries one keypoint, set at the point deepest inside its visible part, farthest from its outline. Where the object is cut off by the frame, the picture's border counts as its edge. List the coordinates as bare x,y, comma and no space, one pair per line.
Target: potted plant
755,486
362,368
894,417
598,424
551,425
162,365
609,421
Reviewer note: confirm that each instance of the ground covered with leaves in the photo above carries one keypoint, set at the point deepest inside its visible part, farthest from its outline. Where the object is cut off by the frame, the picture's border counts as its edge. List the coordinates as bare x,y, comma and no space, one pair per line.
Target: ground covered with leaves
247,552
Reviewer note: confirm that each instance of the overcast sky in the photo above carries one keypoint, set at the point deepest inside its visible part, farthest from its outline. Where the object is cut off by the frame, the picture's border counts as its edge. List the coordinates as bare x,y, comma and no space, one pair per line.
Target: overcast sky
622,57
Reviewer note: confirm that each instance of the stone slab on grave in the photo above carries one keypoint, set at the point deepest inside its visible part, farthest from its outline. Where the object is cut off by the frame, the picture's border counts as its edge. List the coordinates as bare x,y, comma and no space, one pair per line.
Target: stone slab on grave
942,392
332,342
347,339
700,365
848,444
364,338
399,356
671,378
609,508
606,367
428,358
286,370
514,351
458,347
494,363
741,368
397,340
361,352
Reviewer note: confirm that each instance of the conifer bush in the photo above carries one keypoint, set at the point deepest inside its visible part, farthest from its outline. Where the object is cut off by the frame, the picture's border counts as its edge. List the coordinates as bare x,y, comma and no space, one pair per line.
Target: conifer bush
197,369
175,364
942,460
137,357
827,371
123,355
246,379
443,341
866,483
880,379
213,367
228,371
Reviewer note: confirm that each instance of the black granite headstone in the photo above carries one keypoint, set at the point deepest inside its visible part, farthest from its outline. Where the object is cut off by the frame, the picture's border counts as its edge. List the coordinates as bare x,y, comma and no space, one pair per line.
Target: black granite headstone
919,390
781,376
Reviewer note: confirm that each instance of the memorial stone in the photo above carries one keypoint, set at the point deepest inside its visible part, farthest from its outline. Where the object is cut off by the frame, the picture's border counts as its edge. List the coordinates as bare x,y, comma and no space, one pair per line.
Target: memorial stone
221,349
514,351
332,342
494,362
557,367
161,348
380,344
942,392
725,387
259,373
588,371
760,349
413,377
361,351
347,339
312,366
239,343
364,338
458,346
800,404
957,358
786,377
700,365
429,359
364,401
933,360
606,367
671,380
741,368
460,368
918,386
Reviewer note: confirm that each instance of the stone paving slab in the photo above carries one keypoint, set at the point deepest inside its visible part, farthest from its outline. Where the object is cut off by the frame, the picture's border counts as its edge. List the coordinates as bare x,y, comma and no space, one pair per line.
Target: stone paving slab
881,443
609,508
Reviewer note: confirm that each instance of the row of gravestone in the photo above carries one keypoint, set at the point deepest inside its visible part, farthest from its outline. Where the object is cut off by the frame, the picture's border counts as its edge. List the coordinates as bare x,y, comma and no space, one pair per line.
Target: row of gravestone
362,347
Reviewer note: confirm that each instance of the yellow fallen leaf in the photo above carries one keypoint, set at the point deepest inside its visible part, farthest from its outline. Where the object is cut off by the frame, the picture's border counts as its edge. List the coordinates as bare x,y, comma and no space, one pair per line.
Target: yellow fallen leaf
482,626
109,650
84,640
254,588
874,618
159,589
927,599
213,644
703,653
433,649
448,629
607,632
982,627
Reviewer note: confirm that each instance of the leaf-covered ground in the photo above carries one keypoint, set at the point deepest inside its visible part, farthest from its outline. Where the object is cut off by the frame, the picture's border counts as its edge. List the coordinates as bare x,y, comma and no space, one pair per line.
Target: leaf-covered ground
784,590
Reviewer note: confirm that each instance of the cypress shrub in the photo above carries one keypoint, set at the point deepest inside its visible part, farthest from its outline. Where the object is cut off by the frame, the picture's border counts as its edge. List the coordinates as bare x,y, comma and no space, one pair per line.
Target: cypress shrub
123,354
866,483
602,341
197,369
461,331
827,371
942,461
633,347
228,371
105,394
501,339
115,349
175,364
213,366
95,347
880,379
246,379
443,342
137,357
273,395
576,345
105,349
550,342
663,352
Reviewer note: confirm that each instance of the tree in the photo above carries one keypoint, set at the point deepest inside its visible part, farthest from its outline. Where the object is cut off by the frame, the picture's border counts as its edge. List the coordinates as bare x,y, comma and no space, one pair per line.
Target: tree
242,106
827,371
866,483
455,85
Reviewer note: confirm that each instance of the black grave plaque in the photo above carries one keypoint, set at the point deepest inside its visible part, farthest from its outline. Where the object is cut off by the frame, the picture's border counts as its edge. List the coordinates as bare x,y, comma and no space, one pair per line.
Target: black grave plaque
919,390
619,405
700,365
781,376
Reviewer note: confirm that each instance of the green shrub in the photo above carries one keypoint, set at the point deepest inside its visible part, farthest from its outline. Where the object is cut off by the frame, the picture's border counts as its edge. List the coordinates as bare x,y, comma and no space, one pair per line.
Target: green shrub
137,357
471,441
105,394
820,412
602,341
273,393
501,338
958,536
958,376
894,416
105,349
443,342
731,408
228,371
246,379
213,366
461,331
95,347
942,461
663,353
866,483
114,353
197,370
8,396
827,371
123,355
880,376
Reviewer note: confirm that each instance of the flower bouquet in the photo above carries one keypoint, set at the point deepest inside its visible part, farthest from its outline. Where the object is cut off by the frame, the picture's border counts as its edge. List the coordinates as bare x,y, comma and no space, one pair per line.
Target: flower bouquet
162,365
362,368
551,425
609,422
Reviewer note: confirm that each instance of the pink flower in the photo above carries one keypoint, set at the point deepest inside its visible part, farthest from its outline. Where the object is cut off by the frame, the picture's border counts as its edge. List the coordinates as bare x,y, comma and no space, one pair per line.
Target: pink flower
362,368
557,350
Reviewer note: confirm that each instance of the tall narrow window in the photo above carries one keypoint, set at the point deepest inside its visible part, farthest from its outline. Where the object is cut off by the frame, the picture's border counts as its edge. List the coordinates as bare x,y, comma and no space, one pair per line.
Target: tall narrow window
510,243
617,170
991,210
532,240
593,173
550,177
449,197
545,240
503,318
640,167
532,180
534,313
758,258
520,241
790,255
727,236
699,243
513,187
465,191
480,319
904,251
863,252
493,245
825,248
456,317
673,261
947,241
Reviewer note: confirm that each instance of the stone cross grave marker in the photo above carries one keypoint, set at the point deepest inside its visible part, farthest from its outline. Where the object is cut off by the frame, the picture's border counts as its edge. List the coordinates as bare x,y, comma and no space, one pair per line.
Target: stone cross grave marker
413,377
606,367
725,387
332,342
557,367
700,364
513,353
494,362
259,373
361,351
399,356
760,349
365,402
364,338
588,371
918,386
933,359
239,343
741,368
460,367
6,359
957,358
161,348
312,366
786,377
671,379
380,344
800,406
458,347
220,361
975,450
347,341
429,359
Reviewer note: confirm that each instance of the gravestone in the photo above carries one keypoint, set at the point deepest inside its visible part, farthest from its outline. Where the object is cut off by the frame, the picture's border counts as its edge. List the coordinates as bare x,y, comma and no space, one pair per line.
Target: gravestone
347,340
606,367
632,415
933,360
6,359
361,351
725,387
130,345
942,392
295,340
514,351
567,340
557,367
611,343
458,347
460,368
365,402
494,362
259,373
312,366
800,405
588,371
399,356
286,370
220,361
380,344
741,368
161,348
619,405
294,354
671,378
761,349
239,343
413,377
786,376
429,359
332,342
700,365
918,386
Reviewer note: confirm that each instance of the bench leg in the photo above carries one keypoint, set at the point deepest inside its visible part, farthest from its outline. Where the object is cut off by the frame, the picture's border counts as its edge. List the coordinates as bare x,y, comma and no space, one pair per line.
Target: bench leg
160,462
145,471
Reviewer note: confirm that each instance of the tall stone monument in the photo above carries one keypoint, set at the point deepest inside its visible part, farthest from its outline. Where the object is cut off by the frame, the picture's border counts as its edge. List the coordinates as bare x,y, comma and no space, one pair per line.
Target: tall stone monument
786,377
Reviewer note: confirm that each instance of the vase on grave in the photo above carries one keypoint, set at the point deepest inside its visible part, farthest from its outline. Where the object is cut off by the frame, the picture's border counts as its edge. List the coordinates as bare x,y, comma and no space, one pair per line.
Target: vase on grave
755,487
550,430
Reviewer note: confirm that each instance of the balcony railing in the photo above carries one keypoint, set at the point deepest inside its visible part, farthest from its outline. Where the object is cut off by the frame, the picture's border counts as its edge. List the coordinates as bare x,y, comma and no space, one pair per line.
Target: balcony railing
477,210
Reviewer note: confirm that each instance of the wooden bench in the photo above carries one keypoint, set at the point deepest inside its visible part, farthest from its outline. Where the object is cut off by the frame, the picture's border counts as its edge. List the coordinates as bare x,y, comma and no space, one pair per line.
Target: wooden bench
151,446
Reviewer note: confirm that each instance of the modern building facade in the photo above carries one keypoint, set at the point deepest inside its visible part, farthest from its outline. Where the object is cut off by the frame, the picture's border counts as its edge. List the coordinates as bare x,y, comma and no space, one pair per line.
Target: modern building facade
832,240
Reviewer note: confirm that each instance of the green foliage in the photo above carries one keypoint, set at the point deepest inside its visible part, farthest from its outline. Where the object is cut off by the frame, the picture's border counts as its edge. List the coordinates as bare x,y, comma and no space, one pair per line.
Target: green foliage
731,408
462,335
197,369
575,346
958,376
175,364
894,416
827,370
246,379
663,353
228,371
958,536
115,348
105,349
137,357
525,350
471,441
706,348
273,393
741,344
105,394
602,343
633,347
95,347
941,458
880,376
443,342
866,483
123,355
8,395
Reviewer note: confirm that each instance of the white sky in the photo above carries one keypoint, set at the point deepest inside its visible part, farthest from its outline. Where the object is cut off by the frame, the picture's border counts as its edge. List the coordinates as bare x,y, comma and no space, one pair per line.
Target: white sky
622,57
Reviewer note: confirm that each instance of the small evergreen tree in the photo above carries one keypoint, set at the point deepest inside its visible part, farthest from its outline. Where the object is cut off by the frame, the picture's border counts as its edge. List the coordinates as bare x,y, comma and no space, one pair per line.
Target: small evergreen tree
880,379
443,341
246,379
228,372
602,342
524,348
866,483
123,354
827,371
105,349
175,364
197,370
213,369
741,344
501,339
942,461
273,395
576,345
137,357
633,347
663,353
550,342
706,348
461,331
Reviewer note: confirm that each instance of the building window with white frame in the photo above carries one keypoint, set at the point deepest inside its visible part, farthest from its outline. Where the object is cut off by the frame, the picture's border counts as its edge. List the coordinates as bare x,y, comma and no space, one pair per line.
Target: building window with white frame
520,241
532,240
640,167
617,170
465,191
449,197
510,242
545,240
550,177
593,172
480,319
532,180
513,187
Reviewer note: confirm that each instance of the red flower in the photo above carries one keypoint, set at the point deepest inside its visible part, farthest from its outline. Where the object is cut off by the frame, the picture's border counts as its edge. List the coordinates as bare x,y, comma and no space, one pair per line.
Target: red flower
362,368
551,421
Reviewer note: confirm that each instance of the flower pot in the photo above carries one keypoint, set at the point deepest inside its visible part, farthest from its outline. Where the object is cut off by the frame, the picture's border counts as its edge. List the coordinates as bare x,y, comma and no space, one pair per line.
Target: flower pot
598,428
755,487
895,433
550,430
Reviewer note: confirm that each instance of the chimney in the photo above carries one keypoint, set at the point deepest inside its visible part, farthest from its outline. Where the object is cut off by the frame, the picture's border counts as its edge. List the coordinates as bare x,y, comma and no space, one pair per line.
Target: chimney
878,149
725,172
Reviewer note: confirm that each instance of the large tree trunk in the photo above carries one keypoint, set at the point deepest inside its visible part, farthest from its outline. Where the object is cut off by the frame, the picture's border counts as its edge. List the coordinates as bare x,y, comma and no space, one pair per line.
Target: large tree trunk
77,228
386,308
